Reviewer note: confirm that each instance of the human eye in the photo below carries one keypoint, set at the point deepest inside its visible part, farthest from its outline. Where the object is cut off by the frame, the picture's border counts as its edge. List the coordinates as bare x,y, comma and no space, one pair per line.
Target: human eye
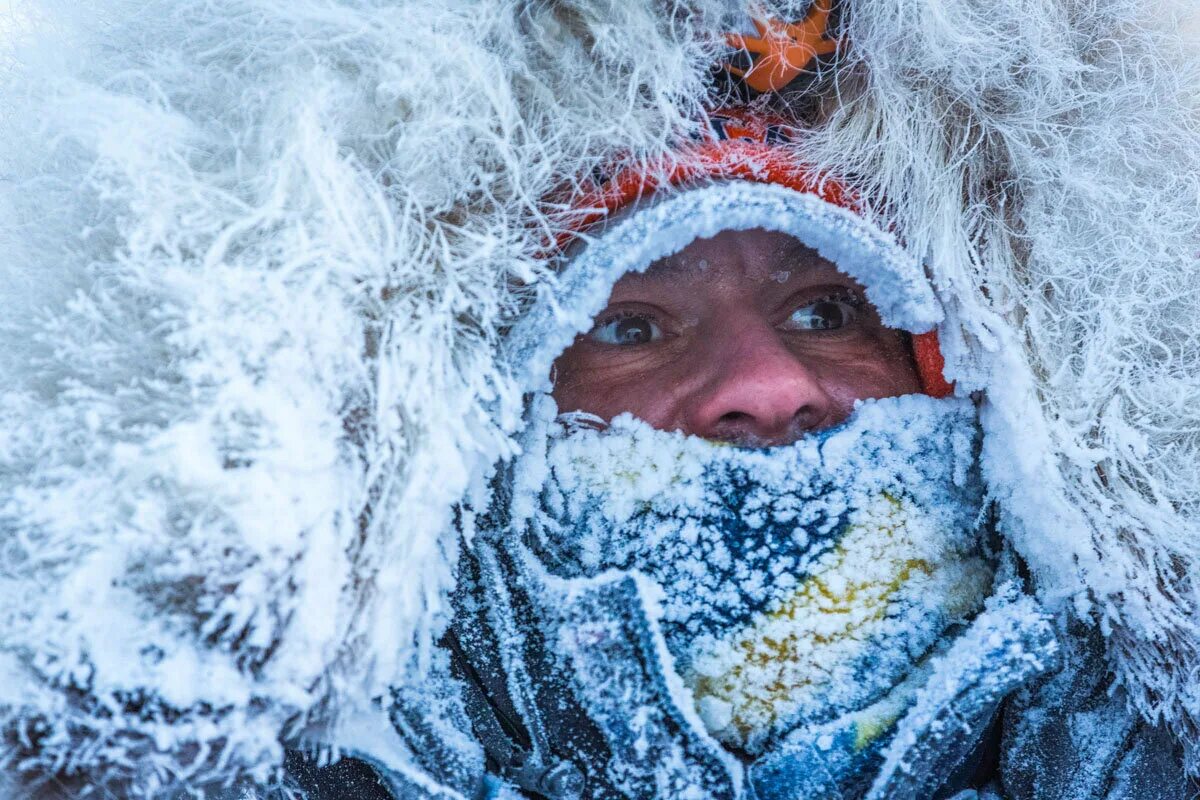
831,312
626,329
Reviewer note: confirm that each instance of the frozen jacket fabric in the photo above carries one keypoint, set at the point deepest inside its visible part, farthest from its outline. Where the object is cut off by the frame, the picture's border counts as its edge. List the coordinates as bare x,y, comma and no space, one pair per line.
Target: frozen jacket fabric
951,756
260,259
1078,748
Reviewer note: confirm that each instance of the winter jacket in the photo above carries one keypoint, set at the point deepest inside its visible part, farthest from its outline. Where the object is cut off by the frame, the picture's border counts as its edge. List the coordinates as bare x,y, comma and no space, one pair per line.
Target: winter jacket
260,264
1022,720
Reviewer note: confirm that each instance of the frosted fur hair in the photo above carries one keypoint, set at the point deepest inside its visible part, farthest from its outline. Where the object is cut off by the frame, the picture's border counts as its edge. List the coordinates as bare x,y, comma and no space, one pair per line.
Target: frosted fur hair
258,257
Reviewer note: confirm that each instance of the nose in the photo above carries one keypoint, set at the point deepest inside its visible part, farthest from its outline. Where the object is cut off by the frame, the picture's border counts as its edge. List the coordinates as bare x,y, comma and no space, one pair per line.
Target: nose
758,392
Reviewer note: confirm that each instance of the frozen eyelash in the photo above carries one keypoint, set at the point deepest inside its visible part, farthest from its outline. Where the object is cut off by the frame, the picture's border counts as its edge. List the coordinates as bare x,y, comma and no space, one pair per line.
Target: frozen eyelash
614,316
848,296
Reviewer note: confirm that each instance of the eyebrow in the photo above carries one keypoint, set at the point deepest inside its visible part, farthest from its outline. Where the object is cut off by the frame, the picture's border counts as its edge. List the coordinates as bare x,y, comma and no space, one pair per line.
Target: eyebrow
665,268
671,266
796,248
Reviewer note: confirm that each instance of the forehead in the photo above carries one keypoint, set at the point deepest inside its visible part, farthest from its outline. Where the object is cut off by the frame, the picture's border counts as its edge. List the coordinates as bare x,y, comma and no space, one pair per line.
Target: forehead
754,255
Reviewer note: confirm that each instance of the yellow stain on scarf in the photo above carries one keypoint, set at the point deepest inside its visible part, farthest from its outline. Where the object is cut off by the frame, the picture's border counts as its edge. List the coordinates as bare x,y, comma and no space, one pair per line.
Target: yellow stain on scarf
829,621
866,732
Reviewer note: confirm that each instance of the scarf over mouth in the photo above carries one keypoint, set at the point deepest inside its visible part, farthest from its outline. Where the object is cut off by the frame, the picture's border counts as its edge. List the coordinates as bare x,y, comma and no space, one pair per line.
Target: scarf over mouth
801,586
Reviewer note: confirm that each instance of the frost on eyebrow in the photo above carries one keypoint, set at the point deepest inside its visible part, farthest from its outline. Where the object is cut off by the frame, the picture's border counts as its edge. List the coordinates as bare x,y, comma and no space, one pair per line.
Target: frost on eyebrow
795,580
786,257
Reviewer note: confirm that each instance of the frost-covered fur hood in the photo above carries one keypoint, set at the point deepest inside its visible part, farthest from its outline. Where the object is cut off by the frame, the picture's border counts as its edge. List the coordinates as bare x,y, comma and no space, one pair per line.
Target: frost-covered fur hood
258,258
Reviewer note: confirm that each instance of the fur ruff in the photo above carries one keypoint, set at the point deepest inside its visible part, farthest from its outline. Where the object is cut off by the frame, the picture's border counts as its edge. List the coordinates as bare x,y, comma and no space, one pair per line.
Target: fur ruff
258,257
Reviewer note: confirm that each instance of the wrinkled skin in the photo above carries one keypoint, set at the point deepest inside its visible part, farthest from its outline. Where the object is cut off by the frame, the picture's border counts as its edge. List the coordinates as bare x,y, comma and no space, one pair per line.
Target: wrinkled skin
747,337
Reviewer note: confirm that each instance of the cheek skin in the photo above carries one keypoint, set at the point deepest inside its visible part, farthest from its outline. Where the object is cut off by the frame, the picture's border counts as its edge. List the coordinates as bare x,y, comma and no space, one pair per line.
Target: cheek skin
649,382
875,366
655,383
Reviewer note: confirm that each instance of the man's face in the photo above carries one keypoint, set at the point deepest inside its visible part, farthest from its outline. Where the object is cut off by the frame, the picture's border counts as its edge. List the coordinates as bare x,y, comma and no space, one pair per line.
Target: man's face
748,337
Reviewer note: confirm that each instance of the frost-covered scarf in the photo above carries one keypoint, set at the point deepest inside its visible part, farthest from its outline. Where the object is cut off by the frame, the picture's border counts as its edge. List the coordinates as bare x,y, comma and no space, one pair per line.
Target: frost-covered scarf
804,587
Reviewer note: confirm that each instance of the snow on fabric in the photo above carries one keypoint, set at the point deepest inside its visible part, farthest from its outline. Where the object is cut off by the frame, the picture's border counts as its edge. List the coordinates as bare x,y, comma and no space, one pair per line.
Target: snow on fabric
895,281
1009,643
799,583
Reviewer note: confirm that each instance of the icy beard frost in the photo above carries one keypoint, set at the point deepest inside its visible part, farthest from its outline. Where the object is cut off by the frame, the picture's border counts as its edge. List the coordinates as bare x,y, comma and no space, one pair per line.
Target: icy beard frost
799,584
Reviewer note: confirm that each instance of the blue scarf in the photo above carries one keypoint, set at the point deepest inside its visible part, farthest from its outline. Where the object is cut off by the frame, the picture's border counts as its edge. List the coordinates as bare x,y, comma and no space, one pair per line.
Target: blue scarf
803,589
